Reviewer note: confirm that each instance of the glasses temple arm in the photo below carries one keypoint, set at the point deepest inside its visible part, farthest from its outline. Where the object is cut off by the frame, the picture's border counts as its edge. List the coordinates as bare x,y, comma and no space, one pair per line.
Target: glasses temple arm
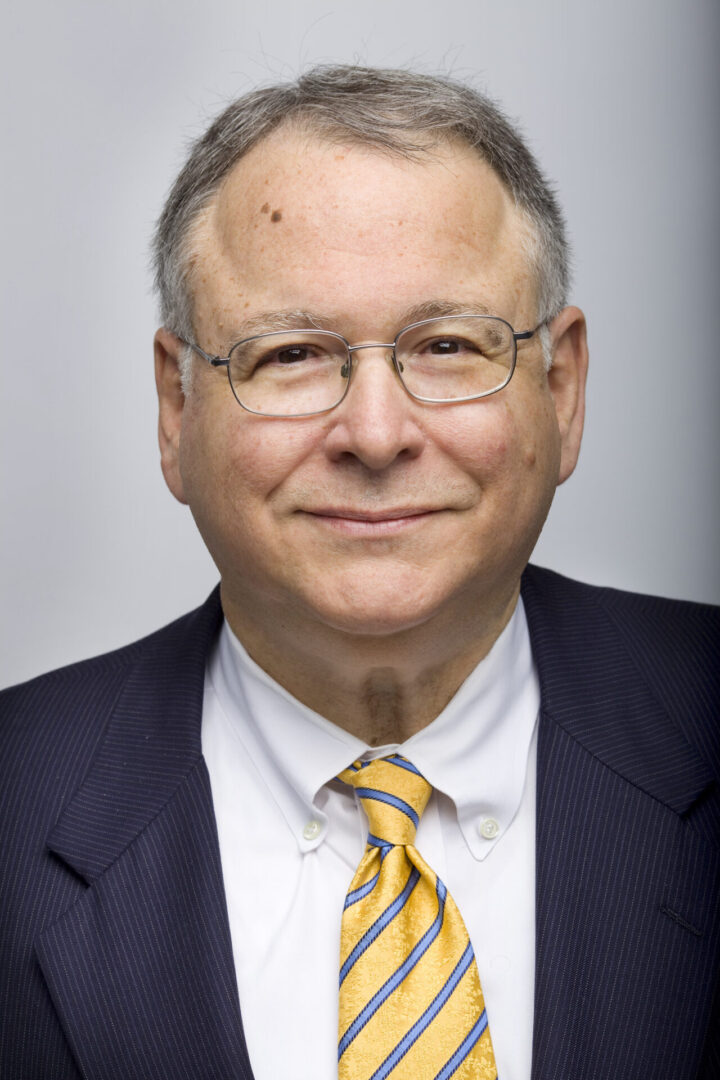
216,361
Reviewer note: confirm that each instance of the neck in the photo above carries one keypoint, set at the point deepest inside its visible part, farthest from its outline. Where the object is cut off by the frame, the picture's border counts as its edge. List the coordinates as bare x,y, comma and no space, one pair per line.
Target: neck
380,688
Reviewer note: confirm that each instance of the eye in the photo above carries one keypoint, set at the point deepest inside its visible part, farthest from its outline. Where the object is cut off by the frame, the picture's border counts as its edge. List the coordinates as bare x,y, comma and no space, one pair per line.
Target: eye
291,354
445,347
295,354
449,346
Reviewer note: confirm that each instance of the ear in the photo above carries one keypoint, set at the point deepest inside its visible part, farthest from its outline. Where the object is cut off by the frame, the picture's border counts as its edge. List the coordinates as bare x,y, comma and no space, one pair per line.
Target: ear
566,380
171,402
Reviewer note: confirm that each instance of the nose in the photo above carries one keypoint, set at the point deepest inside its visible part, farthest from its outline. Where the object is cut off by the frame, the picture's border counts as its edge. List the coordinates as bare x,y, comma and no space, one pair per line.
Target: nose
377,422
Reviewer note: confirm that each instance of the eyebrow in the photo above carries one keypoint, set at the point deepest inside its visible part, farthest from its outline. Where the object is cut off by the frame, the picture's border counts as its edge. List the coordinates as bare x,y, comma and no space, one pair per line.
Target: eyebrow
268,322
439,309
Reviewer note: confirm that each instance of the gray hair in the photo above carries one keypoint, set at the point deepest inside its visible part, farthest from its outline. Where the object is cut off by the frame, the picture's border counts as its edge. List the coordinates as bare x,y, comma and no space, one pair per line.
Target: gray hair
395,111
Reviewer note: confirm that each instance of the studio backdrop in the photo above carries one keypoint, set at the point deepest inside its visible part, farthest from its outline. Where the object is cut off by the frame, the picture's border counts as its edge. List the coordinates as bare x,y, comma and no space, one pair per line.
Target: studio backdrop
619,101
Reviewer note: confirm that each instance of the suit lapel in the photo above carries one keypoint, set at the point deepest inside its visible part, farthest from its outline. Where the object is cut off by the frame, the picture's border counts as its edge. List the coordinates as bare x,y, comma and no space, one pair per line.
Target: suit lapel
627,932
141,968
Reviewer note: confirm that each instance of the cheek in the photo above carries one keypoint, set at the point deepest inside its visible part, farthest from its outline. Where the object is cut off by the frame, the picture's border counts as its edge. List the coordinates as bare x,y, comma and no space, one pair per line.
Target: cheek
231,460
482,439
500,443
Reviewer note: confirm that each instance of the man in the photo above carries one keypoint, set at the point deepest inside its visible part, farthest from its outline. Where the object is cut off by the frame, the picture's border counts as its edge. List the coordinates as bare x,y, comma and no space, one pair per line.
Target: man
370,385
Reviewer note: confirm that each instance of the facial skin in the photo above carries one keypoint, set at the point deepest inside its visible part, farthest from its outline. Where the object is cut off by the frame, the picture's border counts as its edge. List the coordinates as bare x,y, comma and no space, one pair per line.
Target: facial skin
369,556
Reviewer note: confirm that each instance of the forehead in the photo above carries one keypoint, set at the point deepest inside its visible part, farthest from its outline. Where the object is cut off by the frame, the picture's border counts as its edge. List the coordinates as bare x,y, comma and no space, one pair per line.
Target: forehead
304,223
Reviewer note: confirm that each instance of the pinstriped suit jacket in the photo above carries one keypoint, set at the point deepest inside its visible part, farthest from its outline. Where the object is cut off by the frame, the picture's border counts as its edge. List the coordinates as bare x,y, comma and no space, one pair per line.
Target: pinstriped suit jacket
116,961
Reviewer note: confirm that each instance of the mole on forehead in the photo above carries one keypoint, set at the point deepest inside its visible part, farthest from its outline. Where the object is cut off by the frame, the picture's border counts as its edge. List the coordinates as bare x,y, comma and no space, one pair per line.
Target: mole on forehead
270,321
282,157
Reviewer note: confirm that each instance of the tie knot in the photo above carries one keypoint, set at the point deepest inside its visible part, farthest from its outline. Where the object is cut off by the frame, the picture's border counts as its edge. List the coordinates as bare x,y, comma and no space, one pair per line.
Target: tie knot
393,793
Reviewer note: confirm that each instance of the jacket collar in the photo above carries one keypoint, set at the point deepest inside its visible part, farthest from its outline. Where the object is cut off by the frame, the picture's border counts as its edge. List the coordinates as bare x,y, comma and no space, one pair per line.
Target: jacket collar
591,687
151,743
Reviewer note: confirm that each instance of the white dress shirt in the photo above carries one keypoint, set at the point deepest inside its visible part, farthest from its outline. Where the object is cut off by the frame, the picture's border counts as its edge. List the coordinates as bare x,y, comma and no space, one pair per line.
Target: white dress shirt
291,838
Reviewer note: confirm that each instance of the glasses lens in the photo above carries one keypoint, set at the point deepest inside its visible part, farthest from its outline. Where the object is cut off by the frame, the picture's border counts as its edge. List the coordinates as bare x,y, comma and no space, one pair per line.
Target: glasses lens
461,356
290,373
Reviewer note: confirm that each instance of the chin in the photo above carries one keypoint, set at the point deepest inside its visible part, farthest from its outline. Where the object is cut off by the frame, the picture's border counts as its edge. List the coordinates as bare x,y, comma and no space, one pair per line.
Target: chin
373,624
372,611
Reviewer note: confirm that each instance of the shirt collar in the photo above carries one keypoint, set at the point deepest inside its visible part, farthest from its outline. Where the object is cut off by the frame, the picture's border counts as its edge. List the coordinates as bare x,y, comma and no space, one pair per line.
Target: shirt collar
295,750
476,751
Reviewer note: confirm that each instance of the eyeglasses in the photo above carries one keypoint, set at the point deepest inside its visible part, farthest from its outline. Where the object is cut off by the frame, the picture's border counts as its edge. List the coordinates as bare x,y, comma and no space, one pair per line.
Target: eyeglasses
293,373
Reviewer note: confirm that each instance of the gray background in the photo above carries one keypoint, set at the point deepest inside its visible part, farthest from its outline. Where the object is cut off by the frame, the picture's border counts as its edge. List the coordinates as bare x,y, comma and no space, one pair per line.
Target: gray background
619,100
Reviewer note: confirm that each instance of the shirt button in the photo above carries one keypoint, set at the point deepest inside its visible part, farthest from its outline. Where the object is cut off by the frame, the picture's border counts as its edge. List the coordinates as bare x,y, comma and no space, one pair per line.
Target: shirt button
312,830
489,828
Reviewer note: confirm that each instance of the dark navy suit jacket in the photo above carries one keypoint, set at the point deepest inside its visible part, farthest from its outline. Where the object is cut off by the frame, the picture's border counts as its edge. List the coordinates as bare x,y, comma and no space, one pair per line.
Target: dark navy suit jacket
116,961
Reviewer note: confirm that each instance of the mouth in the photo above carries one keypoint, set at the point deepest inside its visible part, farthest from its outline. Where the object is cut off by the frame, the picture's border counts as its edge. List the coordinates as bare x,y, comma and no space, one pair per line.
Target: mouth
369,523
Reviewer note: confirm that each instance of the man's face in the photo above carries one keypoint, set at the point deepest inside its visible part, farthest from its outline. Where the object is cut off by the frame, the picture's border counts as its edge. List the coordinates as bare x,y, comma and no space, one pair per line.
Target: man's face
383,513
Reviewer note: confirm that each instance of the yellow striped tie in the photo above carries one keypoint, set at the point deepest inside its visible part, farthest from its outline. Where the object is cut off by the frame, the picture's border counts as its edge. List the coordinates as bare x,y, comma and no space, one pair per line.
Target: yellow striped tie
411,1004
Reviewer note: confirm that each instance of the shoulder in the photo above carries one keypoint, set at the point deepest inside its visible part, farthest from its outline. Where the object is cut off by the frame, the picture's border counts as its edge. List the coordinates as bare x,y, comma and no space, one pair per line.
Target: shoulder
53,723
623,639
664,624
104,670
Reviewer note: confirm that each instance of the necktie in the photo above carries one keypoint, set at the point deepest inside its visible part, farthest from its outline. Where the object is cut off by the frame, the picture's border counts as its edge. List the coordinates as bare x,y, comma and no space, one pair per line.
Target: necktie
411,1004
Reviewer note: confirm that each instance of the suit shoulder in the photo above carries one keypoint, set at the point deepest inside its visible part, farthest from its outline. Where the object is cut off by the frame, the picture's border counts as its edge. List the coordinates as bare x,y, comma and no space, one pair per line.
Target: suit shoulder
100,668
64,712
681,622
674,644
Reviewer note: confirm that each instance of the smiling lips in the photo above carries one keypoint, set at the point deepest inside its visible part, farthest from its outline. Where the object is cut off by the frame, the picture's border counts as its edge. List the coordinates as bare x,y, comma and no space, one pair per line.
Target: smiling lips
371,522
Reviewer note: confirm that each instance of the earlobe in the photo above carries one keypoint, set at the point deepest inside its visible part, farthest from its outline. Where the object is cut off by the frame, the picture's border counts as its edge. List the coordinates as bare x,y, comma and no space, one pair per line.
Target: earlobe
171,403
566,379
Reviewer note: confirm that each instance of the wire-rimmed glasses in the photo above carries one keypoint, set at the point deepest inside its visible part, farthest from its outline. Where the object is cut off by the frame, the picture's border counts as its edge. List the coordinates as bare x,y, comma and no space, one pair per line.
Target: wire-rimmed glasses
294,373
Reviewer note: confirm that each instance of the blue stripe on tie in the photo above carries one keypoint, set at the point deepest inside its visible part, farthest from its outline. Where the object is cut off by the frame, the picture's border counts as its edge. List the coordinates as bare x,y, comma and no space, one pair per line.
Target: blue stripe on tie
391,800
379,925
427,1017
464,1048
394,981
403,763
377,841
367,888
